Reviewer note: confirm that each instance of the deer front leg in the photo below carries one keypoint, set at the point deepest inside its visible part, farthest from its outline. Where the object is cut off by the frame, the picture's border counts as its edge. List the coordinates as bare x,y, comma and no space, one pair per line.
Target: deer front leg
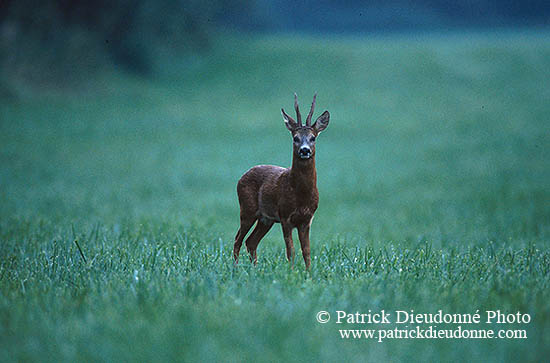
287,235
303,234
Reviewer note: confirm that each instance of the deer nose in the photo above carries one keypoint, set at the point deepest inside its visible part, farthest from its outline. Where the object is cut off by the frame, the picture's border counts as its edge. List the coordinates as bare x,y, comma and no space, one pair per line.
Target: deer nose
305,151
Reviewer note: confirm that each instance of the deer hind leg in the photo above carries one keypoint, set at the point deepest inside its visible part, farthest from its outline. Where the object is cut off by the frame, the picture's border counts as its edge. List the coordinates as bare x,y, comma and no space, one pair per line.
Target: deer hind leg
246,224
262,227
248,202
287,235
303,234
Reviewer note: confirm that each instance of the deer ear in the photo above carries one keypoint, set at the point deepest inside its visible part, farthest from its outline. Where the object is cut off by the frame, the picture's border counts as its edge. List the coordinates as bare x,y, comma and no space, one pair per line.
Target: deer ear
291,125
322,122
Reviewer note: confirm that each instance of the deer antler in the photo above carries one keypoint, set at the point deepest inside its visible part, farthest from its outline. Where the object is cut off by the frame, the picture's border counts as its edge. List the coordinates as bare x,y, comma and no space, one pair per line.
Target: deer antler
291,120
298,116
310,114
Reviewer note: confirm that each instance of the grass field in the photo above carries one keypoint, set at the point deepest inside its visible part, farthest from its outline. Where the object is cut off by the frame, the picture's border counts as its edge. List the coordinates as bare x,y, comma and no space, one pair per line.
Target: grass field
433,177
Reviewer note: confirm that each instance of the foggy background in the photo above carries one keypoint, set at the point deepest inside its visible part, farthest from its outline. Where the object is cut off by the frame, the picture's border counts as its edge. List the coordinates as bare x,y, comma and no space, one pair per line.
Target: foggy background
69,37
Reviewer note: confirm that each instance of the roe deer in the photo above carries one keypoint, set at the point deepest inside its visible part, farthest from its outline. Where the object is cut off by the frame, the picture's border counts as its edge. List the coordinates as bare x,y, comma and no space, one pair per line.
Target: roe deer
269,194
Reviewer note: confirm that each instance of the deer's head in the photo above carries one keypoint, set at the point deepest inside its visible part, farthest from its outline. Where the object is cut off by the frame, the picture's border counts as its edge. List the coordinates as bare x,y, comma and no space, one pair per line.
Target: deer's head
304,136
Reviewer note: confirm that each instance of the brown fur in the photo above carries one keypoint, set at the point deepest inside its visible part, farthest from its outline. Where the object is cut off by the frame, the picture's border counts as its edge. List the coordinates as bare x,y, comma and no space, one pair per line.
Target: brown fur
271,194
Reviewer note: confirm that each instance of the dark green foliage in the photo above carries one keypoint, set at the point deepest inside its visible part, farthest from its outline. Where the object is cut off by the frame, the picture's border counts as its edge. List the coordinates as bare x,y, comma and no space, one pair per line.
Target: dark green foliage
66,38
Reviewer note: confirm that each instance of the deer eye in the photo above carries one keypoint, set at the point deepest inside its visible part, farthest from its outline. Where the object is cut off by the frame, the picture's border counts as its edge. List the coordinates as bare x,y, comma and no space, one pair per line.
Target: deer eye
296,139
312,139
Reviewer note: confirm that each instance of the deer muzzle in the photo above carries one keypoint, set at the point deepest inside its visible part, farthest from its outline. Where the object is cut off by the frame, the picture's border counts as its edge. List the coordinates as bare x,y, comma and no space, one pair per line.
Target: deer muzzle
304,152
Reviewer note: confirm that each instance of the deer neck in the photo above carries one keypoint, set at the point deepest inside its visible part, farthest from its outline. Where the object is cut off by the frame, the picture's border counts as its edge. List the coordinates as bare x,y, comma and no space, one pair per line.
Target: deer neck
303,175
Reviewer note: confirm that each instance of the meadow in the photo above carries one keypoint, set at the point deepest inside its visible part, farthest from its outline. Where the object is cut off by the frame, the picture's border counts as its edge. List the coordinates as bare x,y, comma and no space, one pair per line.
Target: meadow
118,203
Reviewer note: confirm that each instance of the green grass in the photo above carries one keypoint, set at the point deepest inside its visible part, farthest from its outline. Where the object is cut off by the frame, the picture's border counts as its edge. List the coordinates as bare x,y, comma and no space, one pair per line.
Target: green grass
433,176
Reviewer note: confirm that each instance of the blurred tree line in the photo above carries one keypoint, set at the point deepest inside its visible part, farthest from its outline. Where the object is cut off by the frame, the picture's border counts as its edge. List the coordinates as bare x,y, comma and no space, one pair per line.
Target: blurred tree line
78,35
390,15
61,39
